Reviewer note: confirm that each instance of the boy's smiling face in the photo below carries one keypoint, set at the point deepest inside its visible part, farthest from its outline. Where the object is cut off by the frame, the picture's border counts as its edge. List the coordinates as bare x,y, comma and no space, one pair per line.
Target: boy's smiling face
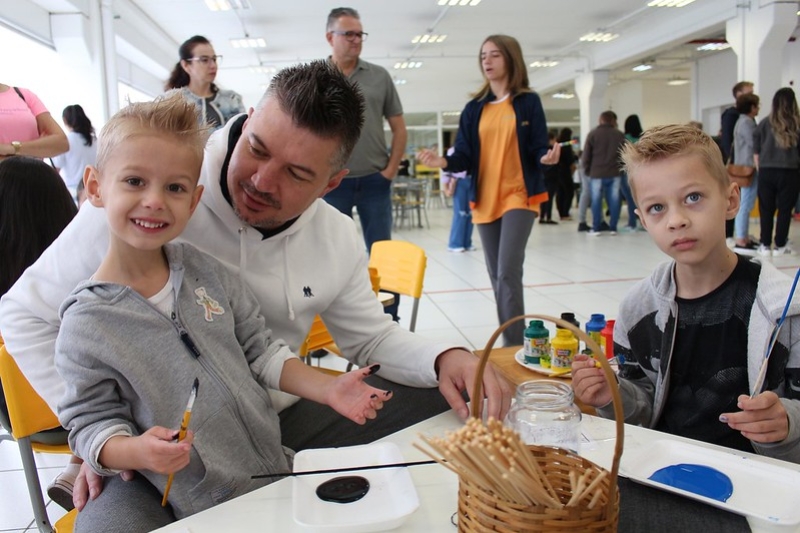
148,187
684,208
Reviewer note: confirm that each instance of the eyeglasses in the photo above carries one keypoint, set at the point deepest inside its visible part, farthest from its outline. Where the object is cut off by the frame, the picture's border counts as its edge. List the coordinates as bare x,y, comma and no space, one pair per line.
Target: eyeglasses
352,35
205,60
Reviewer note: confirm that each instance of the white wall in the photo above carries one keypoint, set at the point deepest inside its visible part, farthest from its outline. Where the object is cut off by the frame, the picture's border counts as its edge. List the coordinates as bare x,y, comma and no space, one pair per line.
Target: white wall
665,104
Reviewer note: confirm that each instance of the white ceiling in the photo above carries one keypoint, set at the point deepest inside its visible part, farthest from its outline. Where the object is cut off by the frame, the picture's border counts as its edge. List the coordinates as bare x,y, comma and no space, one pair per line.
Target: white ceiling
295,31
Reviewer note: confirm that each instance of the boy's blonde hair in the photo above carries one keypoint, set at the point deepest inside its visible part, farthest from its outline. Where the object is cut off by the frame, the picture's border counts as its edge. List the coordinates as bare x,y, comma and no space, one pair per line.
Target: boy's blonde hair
662,142
171,114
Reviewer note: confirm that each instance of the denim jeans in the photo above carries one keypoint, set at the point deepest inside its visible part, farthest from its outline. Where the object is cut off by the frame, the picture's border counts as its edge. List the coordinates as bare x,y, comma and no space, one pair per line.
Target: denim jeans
741,228
371,195
461,228
625,190
608,188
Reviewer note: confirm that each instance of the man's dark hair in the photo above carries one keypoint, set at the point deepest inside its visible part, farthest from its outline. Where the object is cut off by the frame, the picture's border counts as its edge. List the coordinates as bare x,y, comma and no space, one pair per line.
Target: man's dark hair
339,12
608,117
746,102
739,87
319,98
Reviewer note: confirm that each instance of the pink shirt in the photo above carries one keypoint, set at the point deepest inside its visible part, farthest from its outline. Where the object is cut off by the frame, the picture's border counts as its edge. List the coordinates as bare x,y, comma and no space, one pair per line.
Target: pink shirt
18,117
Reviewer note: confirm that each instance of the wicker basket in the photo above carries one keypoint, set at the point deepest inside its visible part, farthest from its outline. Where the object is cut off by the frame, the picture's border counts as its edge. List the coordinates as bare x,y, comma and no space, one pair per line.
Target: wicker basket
480,510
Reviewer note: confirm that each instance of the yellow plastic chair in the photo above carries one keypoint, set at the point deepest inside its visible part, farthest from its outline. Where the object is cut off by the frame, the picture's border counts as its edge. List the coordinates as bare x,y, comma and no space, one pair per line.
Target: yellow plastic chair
29,414
402,269
319,338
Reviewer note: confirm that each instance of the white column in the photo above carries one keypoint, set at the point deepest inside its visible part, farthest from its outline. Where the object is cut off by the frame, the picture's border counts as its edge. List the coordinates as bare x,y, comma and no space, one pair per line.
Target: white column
759,35
591,90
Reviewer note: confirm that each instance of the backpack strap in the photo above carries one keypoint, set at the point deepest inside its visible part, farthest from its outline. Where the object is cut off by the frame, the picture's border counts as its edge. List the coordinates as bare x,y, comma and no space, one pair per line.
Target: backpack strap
19,93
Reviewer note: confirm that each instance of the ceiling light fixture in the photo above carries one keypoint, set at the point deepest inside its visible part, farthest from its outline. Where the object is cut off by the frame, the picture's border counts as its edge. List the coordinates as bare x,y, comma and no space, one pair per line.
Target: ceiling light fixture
599,37
677,81
227,5
428,38
407,64
459,2
669,3
263,70
710,47
563,94
546,63
451,113
249,42
642,67
399,81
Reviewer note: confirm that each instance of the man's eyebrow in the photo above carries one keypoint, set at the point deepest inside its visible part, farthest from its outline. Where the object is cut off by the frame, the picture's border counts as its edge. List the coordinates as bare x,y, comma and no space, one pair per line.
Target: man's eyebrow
256,140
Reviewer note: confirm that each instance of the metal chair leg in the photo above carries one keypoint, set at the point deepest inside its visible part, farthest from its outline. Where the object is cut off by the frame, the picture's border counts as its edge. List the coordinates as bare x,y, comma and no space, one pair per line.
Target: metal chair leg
34,488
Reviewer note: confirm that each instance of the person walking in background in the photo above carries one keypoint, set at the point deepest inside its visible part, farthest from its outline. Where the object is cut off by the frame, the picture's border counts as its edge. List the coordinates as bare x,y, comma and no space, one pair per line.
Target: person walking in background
82,147
633,130
747,105
502,144
727,124
194,75
26,126
775,153
456,185
565,191
551,184
601,163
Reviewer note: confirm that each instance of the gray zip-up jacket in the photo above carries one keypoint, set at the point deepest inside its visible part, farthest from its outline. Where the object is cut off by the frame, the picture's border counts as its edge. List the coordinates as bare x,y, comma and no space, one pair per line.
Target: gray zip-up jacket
226,103
650,307
129,367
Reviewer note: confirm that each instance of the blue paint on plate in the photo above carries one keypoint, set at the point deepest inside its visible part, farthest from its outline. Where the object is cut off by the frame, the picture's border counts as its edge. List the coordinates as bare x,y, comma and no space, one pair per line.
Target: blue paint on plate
698,479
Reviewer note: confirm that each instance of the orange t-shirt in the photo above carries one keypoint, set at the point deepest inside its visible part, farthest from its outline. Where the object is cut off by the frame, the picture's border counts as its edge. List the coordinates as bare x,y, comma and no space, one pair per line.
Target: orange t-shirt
501,186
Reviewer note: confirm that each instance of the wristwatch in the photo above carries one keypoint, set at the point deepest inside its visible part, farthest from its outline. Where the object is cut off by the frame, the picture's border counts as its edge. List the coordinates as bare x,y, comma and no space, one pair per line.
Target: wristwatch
17,145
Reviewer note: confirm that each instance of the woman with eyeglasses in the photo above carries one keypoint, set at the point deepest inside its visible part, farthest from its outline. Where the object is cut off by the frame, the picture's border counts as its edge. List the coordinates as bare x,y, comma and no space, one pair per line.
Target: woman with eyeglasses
194,75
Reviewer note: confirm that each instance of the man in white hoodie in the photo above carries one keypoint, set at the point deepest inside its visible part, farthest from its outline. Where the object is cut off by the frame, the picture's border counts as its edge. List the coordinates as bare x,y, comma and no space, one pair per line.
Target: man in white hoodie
262,215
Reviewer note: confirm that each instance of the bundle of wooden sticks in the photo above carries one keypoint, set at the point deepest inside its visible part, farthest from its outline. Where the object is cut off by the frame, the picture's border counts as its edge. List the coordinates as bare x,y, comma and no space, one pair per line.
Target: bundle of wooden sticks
494,458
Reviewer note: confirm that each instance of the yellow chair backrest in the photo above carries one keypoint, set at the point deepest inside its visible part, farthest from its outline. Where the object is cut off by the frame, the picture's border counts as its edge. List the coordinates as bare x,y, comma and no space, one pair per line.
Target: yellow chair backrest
27,411
318,338
401,266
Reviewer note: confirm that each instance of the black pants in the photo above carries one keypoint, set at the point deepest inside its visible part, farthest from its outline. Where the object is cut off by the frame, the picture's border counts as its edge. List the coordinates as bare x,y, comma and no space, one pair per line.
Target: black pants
777,189
564,195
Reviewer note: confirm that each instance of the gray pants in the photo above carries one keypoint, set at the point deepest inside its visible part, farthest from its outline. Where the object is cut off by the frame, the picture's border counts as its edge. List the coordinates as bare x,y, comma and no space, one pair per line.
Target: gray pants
504,242
135,506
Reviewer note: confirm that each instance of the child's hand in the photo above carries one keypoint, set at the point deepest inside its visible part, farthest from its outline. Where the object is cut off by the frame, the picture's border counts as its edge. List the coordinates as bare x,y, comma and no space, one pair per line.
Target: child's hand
158,453
761,419
589,382
349,396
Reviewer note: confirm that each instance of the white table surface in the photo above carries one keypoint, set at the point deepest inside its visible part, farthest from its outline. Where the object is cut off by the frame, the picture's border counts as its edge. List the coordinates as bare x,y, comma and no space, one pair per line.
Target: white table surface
271,506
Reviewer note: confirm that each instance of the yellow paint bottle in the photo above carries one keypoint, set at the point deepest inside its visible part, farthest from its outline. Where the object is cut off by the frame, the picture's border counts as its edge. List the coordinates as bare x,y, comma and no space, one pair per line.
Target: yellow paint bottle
564,347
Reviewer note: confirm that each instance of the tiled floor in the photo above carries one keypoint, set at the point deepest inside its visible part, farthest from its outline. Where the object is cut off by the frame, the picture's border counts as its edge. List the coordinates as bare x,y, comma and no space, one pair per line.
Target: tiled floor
564,271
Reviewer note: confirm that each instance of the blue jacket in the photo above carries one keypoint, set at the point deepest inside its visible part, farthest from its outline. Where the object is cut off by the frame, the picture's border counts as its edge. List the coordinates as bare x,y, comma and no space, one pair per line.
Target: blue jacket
531,134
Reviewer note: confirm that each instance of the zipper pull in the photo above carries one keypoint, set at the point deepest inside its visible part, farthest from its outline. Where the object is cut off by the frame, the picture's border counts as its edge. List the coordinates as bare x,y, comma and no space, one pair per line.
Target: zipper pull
187,340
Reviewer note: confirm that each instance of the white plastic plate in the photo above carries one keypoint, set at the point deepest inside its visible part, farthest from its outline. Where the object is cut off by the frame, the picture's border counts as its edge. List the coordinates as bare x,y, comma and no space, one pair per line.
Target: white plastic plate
390,500
760,490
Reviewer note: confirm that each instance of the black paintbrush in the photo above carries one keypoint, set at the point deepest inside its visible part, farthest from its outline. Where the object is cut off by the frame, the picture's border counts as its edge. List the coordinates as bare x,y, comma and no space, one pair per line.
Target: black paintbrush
339,470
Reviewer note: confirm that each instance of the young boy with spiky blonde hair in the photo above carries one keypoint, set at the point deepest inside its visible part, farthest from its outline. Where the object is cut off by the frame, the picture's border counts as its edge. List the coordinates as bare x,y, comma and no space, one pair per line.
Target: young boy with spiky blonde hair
692,336
157,315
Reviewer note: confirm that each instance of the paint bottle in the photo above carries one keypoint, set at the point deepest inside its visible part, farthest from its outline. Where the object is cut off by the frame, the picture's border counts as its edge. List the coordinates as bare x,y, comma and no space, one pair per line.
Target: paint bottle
608,339
537,342
570,317
594,328
564,347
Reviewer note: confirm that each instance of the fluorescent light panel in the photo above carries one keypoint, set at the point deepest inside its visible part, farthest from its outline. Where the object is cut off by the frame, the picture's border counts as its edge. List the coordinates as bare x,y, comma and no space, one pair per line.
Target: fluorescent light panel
459,2
407,64
428,38
400,82
669,3
599,37
642,67
227,5
543,64
564,95
677,81
263,70
249,42
713,46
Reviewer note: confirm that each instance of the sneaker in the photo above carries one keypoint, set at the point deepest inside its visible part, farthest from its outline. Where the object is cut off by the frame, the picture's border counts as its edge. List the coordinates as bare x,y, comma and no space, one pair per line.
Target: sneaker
746,249
627,229
566,218
593,233
456,250
604,226
782,250
60,491
612,232
583,226
549,222
764,250
471,248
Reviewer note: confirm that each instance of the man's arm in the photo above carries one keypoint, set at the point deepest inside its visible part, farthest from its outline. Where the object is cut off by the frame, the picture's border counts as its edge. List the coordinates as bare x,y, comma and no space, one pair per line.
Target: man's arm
399,137
29,318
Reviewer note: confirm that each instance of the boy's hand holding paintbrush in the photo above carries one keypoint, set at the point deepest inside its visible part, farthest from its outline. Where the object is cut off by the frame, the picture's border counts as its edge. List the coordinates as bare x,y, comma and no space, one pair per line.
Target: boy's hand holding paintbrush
589,382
